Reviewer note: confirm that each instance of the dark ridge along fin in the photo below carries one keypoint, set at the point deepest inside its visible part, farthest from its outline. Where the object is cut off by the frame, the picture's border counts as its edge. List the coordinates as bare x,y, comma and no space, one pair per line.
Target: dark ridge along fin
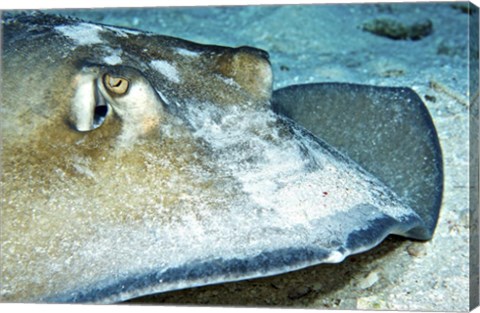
386,130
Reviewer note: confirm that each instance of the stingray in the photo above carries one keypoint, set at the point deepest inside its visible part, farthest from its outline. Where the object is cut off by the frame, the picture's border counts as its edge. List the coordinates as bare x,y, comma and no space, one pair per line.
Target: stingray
135,163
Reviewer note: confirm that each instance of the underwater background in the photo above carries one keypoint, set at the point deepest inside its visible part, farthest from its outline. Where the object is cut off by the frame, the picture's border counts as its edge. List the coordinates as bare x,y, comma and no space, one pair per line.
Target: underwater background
424,46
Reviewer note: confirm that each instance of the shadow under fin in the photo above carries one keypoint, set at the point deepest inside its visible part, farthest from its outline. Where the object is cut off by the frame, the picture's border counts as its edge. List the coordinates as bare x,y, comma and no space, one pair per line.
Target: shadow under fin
386,130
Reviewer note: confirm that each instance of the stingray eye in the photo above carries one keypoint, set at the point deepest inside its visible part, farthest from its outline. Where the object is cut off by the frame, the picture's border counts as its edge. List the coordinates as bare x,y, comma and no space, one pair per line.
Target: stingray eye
116,85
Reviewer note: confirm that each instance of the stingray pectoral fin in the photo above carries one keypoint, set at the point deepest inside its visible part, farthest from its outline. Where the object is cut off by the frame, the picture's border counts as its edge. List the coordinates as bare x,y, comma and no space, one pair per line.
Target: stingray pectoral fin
388,131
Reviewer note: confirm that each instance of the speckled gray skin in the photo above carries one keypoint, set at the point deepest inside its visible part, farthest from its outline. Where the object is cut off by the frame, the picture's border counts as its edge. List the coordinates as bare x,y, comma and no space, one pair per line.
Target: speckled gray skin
151,200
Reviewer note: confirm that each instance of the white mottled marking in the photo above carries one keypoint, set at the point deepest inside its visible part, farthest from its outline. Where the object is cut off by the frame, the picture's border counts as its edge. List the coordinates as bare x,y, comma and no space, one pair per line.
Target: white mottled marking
336,257
229,81
122,31
187,53
81,34
166,69
114,58
162,96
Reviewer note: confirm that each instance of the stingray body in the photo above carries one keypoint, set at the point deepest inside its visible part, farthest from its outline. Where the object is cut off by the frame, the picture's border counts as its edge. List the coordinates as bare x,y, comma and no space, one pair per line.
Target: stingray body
135,163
